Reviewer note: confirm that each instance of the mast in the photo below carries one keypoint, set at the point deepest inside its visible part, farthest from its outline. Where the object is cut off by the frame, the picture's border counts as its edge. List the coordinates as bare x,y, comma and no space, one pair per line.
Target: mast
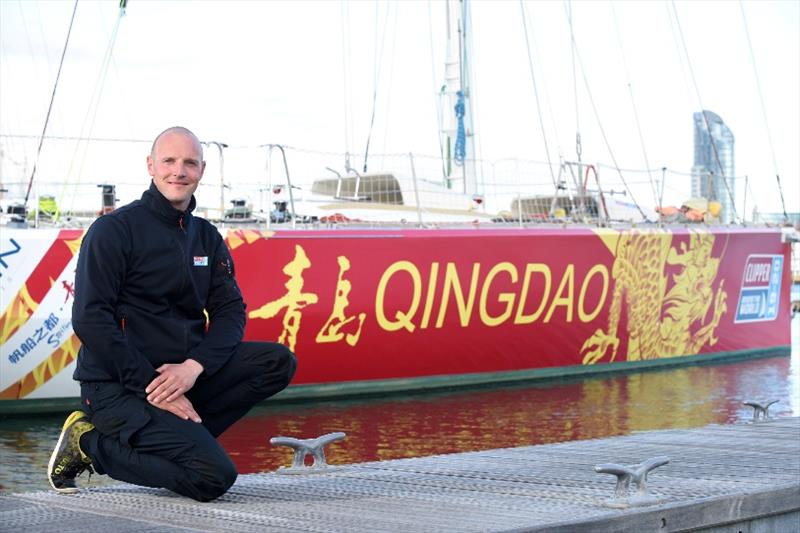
456,129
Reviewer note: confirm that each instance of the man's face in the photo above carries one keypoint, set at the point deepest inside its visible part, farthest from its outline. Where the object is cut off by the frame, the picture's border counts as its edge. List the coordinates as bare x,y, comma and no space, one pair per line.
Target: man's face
176,166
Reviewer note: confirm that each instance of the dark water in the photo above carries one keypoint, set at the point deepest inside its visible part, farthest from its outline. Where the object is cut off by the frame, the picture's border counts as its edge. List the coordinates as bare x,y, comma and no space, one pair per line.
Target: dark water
396,427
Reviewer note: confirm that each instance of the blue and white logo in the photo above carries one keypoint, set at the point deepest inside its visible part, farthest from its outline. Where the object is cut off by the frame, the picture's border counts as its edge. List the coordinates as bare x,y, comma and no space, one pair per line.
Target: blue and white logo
760,295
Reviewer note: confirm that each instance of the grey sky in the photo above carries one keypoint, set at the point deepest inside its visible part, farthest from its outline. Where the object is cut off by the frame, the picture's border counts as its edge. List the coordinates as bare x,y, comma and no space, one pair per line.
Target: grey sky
248,73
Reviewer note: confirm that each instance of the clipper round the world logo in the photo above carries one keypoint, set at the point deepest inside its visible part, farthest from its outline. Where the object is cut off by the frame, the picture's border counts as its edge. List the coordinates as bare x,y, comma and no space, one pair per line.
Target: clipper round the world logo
761,288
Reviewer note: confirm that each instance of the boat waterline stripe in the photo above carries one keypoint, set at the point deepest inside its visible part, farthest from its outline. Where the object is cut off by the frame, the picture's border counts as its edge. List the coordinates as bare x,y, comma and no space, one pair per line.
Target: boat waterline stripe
349,389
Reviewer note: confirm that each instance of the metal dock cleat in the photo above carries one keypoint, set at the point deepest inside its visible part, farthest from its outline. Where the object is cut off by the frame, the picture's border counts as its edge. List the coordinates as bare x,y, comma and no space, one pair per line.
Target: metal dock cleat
626,474
760,409
304,447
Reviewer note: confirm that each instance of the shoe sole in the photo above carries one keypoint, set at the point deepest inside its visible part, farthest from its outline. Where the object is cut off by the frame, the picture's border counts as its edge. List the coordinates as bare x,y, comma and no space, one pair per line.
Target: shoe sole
71,419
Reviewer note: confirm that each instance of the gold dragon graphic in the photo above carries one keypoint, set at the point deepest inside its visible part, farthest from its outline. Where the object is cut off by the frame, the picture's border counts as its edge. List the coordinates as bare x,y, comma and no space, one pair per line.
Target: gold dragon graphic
662,321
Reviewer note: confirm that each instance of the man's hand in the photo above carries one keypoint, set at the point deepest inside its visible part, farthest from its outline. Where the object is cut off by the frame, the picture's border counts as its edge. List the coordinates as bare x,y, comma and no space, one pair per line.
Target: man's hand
173,381
180,407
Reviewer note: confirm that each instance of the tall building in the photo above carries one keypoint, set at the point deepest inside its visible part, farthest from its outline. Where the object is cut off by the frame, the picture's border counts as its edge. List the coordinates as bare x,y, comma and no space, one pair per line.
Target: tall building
712,169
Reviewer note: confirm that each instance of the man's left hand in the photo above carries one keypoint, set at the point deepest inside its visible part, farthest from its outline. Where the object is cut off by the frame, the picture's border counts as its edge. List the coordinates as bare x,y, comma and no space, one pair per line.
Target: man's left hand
180,407
173,381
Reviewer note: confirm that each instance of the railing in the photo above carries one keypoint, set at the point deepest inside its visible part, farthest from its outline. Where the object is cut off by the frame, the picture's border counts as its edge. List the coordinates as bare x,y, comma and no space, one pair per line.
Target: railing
407,189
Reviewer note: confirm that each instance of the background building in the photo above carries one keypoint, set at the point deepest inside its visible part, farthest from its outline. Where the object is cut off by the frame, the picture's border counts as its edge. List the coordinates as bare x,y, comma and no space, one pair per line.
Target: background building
712,170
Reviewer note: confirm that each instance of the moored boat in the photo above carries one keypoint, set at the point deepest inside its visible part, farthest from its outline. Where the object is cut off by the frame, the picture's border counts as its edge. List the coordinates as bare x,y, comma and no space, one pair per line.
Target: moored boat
429,273
378,310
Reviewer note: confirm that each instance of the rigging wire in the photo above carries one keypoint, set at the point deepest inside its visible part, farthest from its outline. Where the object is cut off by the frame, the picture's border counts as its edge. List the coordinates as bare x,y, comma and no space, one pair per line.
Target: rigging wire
57,118
42,33
436,99
763,110
703,111
578,149
37,73
536,93
392,56
600,125
94,106
549,102
650,170
326,152
75,138
752,194
687,91
346,79
687,96
44,48
122,87
4,62
472,96
50,107
378,55
633,100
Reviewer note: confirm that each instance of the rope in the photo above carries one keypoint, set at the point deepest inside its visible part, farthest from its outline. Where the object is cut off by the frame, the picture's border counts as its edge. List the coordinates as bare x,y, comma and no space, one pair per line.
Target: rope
536,93
50,107
460,149
703,111
764,111
472,83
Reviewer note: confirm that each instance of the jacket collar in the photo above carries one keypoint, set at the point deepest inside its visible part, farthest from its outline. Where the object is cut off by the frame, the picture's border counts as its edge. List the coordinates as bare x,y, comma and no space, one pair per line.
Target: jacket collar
159,205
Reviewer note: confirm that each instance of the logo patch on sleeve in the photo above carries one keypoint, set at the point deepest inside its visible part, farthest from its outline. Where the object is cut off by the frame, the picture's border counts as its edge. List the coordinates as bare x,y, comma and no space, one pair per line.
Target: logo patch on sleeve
201,260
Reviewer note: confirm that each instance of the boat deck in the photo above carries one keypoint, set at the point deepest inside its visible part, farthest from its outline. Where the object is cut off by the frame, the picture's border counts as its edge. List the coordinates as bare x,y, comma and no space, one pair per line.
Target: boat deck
716,475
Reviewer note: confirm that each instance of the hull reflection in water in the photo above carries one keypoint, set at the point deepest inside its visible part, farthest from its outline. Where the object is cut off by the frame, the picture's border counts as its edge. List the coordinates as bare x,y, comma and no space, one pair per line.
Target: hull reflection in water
520,416
389,428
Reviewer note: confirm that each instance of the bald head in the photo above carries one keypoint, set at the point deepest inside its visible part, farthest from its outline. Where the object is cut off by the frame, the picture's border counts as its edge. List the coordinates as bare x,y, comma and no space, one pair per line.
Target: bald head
179,130
176,165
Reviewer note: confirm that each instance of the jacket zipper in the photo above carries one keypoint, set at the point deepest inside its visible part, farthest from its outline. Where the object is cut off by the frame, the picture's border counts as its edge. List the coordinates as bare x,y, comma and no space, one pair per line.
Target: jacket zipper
187,276
184,258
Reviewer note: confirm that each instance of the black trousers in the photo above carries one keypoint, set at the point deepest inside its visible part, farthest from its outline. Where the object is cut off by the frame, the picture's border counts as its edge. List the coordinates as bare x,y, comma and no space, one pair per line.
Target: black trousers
141,444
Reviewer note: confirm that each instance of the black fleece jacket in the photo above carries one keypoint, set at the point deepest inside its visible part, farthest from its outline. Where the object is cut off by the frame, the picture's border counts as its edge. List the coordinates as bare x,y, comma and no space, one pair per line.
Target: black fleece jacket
147,275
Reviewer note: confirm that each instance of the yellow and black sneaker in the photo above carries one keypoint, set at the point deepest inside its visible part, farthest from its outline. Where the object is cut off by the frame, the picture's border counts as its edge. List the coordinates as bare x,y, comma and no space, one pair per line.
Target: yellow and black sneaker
68,460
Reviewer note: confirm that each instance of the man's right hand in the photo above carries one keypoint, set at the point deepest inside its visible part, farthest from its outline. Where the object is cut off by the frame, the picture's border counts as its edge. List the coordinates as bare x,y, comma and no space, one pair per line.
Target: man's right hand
180,407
